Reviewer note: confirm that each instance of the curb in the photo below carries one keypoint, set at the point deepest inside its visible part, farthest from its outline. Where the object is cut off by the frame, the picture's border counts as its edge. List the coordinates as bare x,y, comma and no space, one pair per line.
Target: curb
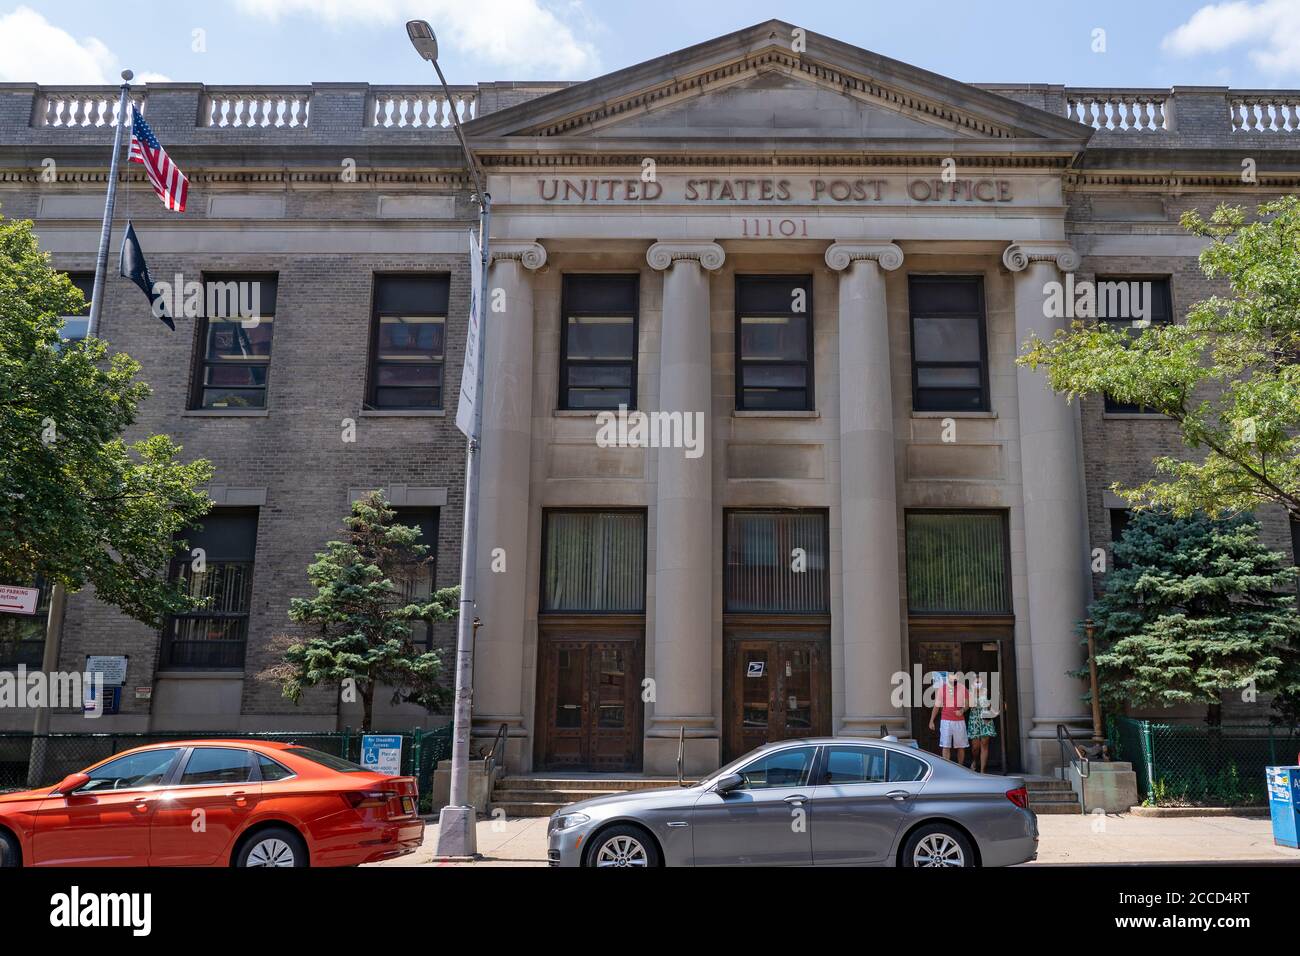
1199,811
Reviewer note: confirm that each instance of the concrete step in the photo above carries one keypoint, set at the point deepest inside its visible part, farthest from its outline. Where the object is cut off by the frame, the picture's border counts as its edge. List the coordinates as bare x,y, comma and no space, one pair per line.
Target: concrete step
525,809
1050,809
593,782
1053,796
500,796
1047,785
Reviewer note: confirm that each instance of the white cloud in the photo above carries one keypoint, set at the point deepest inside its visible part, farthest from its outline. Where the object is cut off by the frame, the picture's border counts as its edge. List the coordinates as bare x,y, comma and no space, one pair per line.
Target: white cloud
1269,29
512,33
33,50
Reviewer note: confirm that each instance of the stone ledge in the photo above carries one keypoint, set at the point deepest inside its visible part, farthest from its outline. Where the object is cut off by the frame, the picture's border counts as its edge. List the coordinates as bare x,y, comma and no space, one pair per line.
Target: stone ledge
1178,812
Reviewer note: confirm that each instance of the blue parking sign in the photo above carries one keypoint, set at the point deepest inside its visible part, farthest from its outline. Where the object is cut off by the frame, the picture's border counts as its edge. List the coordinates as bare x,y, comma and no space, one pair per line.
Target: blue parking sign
382,753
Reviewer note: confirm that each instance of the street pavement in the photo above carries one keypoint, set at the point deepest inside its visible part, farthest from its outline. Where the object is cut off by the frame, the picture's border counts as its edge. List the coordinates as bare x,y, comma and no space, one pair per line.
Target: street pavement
1070,840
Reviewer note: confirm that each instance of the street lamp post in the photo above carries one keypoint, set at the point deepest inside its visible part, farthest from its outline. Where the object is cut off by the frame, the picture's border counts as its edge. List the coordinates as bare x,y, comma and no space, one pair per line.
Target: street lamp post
456,831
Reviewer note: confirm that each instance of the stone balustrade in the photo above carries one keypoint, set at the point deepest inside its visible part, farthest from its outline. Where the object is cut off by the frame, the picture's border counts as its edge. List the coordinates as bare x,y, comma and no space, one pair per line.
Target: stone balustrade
281,107
1125,110
414,107
69,107
1265,111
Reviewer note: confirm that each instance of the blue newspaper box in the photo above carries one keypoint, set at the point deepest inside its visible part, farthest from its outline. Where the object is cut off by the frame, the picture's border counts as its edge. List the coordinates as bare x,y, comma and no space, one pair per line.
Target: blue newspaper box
1283,803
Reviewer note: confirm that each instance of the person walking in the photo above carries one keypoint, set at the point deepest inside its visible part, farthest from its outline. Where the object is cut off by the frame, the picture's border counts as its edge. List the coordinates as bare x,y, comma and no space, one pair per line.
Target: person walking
980,726
950,709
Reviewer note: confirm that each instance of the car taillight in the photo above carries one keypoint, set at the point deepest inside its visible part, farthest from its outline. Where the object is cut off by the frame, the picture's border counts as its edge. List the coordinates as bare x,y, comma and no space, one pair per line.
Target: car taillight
1020,797
367,798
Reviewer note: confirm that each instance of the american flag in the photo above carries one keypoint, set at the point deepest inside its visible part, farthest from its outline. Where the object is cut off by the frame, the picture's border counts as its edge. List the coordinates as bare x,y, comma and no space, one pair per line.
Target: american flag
165,176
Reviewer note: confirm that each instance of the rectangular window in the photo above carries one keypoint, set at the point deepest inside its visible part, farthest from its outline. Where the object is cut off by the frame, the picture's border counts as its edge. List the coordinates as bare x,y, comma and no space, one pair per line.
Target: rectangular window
774,343
22,636
776,562
408,341
949,352
76,326
957,563
1119,518
1116,307
599,342
421,588
214,637
234,349
594,561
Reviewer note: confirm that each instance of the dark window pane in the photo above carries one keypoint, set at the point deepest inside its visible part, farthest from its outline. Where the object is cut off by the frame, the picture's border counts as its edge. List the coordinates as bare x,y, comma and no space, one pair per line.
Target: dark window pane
418,584
609,294
412,294
1112,294
946,340
785,768
411,337
217,765
946,376
409,341
146,769
600,376
599,397
593,337
774,337
949,400
233,398
408,397
231,340
272,770
777,561
904,768
846,765
773,294
423,375
215,635
776,376
594,561
956,563
235,376
944,294
772,400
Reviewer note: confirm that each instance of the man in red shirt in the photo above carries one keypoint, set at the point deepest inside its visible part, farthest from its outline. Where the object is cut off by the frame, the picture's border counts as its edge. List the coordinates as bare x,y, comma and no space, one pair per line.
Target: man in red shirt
950,708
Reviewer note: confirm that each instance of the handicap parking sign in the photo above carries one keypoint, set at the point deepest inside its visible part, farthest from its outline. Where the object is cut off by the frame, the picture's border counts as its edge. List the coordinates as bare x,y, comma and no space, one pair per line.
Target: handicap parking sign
382,753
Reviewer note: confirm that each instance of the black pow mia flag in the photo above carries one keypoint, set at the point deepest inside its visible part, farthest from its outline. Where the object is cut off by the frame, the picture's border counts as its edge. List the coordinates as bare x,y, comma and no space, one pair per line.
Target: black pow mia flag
133,267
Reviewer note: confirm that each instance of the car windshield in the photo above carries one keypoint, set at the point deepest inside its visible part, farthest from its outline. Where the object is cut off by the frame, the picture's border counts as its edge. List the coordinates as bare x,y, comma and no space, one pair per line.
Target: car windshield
326,760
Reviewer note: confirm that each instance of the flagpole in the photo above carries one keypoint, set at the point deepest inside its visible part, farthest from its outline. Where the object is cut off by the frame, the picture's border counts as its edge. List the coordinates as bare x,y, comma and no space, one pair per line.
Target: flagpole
106,230
54,622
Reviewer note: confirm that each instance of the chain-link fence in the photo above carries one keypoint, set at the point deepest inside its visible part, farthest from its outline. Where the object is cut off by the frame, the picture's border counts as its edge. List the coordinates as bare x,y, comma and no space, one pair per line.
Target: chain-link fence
31,761
1195,764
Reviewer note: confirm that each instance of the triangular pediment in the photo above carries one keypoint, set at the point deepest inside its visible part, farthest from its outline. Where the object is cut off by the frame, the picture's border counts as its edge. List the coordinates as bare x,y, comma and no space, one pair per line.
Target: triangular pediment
768,85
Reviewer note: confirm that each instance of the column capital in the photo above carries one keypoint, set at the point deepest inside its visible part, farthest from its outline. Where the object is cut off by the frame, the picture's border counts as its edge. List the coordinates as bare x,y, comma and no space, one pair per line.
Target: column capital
664,253
1019,255
841,255
530,255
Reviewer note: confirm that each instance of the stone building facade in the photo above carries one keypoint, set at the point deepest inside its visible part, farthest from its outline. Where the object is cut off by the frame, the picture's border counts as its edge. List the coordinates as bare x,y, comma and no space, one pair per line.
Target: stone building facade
809,266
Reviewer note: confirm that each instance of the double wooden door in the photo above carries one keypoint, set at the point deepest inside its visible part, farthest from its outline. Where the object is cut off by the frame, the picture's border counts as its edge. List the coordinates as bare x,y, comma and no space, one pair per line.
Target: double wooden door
589,705
776,688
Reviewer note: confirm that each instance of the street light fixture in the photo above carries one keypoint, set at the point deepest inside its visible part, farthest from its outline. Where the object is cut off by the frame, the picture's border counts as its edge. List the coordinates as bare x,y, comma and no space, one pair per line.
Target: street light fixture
456,831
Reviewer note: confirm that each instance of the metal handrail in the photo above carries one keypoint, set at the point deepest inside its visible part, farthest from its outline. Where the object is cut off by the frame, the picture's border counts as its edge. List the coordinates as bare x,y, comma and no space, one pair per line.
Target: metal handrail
681,755
497,752
1079,759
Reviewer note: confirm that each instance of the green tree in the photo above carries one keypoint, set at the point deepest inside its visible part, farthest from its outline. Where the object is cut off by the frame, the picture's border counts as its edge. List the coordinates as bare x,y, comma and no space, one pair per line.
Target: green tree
1194,608
1229,375
79,504
360,620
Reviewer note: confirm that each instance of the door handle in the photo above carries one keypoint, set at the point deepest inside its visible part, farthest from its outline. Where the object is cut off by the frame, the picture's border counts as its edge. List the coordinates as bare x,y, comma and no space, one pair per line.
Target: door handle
796,800
141,805
241,798
899,795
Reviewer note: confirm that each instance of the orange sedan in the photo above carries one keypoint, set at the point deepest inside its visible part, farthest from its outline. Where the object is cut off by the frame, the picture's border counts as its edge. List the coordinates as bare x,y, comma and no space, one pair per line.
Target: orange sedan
213,803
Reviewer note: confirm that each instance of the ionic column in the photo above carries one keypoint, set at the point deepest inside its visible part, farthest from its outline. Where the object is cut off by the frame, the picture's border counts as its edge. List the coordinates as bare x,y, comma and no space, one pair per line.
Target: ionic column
1051,469
684,552
504,489
870,620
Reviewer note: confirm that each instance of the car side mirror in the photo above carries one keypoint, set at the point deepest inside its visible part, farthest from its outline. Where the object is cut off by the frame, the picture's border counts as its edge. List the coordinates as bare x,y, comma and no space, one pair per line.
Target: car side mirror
728,783
73,781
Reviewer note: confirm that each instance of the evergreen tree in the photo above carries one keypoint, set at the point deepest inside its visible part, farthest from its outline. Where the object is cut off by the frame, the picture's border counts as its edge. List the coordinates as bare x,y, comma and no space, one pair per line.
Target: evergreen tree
359,622
1194,608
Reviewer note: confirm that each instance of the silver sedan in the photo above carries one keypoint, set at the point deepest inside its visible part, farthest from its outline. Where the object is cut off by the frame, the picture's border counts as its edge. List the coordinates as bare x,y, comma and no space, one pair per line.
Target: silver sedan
823,802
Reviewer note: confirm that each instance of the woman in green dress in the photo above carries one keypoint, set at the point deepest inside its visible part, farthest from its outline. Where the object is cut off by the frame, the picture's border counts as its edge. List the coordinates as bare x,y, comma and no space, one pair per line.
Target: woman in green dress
980,726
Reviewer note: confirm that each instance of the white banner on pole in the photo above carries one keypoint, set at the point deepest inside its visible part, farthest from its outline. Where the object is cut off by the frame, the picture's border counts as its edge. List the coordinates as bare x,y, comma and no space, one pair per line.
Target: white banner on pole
469,371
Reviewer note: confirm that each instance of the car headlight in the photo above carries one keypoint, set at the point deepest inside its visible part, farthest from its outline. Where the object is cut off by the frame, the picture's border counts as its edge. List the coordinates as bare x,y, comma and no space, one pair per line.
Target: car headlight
566,821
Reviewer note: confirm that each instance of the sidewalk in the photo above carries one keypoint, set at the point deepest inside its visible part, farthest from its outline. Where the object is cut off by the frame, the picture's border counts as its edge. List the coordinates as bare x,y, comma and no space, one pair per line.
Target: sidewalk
1064,840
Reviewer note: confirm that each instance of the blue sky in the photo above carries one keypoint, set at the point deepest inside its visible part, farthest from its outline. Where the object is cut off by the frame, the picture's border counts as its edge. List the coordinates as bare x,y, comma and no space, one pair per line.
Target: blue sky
1241,43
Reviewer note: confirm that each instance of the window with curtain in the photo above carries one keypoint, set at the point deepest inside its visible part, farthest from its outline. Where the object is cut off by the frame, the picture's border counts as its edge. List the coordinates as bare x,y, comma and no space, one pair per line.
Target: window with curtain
776,562
957,563
594,562
949,357
214,637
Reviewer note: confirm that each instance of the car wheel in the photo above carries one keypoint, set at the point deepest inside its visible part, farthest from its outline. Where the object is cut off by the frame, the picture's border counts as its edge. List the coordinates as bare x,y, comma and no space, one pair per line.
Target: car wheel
623,845
938,845
273,847
10,853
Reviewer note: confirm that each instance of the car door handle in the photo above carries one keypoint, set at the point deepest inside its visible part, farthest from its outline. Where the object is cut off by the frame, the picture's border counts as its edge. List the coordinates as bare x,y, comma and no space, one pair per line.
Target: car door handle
796,800
241,798
898,795
141,806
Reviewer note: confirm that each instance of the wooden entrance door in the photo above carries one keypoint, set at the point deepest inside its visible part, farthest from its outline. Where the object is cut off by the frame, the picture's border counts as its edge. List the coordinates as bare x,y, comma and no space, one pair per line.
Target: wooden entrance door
589,708
978,651
776,689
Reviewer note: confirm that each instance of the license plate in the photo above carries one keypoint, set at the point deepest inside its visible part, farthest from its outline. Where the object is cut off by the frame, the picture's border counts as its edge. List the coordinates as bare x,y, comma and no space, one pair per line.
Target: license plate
408,804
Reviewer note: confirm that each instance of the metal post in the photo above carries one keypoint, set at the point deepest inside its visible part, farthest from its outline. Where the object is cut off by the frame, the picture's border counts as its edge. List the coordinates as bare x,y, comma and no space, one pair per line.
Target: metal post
456,821
1089,629
106,229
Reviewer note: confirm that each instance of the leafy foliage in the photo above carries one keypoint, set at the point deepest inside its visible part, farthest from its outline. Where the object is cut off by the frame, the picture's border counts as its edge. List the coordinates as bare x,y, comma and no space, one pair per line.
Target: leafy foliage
359,622
1195,607
1230,375
78,504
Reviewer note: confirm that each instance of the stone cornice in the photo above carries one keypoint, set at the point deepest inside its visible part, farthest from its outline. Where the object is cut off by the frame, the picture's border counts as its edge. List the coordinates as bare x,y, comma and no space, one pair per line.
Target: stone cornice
841,255
1019,255
531,255
664,253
